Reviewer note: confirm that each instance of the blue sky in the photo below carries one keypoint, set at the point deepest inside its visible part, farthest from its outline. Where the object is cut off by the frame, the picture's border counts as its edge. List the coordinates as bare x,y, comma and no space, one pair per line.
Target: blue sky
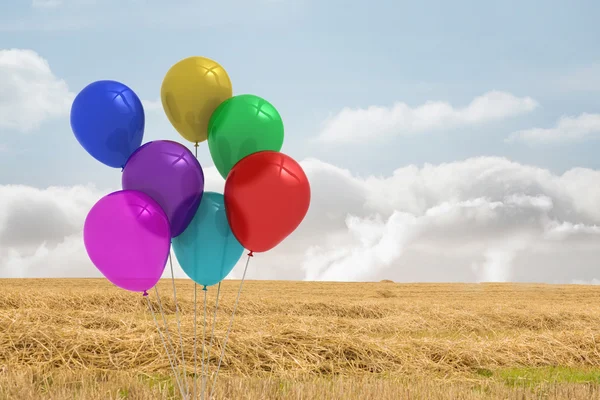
311,59
458,130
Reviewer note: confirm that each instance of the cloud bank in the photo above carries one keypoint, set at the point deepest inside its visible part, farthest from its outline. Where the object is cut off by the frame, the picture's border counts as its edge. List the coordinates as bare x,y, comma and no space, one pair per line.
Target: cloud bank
481,219
375,122
567,129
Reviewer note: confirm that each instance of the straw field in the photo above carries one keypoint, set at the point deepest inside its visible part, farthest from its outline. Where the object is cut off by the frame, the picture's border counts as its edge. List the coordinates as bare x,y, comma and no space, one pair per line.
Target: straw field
85,339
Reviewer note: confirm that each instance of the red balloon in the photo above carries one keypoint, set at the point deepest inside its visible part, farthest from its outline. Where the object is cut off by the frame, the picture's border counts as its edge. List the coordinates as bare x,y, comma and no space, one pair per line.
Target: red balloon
267,195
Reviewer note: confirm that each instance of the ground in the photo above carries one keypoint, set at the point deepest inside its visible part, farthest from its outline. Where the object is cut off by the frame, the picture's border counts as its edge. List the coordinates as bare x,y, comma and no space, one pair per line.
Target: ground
86,339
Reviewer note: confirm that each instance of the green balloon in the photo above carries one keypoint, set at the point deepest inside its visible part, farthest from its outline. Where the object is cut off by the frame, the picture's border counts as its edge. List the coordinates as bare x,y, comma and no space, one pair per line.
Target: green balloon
240,126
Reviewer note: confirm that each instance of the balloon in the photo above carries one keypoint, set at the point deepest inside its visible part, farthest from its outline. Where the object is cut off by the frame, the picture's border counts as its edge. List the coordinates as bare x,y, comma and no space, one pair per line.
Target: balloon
240,126
191,91
169,173
267,195
207,251
127,237
108,120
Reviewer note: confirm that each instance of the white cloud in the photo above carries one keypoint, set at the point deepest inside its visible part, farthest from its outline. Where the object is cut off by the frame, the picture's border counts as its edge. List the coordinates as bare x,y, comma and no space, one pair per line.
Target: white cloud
41,229
355,125
581,282
485,219
566,129
481,219
29,92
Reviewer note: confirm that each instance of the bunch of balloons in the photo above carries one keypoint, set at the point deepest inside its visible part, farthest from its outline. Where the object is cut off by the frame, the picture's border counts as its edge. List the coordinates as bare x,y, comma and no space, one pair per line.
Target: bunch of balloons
128,234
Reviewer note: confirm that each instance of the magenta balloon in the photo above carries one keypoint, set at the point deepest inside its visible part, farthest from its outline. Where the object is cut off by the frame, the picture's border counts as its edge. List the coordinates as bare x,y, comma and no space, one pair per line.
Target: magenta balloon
128,238
169,173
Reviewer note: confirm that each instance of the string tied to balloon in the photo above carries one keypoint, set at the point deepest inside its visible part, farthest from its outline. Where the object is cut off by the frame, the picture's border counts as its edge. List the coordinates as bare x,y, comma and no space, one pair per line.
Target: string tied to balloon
145,294
237,299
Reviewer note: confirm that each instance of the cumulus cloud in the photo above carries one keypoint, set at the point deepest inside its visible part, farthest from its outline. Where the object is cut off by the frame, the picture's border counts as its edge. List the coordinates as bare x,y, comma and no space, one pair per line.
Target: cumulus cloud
355,125
566,129
41,230
30,93
481,219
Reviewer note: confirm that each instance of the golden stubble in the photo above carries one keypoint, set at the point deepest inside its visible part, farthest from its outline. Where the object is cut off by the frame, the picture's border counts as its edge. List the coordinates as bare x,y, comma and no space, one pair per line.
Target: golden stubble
334,340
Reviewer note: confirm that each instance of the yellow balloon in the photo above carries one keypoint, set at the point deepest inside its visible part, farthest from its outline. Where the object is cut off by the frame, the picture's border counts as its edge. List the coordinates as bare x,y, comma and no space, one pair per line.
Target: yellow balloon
191,91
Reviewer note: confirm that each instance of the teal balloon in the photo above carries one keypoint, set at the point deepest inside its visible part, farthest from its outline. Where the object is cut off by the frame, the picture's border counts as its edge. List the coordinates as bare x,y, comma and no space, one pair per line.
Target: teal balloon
207,250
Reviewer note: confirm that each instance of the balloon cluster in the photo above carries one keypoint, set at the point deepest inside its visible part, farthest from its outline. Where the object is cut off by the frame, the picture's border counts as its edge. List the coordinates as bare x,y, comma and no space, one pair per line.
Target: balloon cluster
128,233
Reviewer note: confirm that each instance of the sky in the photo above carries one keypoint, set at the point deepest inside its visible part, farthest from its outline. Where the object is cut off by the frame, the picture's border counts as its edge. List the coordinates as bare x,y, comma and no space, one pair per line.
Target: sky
444,141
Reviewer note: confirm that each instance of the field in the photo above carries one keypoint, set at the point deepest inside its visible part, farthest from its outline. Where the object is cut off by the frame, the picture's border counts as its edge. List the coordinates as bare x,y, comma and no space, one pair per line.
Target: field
85,339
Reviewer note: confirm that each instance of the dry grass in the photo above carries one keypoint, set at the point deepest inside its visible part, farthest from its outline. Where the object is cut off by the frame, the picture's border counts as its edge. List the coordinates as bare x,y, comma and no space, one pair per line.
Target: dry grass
63,339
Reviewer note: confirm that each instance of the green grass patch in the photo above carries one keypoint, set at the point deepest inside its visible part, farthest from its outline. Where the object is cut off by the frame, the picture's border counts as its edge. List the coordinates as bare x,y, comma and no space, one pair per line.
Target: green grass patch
162,382
484,372
536,376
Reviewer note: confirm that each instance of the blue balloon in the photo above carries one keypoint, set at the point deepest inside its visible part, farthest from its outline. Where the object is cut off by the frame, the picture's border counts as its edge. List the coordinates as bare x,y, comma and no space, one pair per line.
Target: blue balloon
108,120
207,250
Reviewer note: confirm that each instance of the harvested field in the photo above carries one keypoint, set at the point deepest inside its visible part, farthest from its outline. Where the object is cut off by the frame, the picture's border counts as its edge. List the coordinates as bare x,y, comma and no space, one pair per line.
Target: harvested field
85,339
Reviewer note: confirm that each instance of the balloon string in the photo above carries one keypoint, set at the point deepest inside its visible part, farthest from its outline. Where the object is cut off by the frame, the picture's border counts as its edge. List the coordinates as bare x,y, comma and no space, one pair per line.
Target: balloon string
165,346
167,332
203,341
214,321
195,342
212,336
214,382
185,382
195,315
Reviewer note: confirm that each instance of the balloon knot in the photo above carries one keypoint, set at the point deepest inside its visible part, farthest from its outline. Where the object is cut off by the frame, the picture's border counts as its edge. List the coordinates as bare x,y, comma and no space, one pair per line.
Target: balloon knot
204,288
196,144
145,294
251,254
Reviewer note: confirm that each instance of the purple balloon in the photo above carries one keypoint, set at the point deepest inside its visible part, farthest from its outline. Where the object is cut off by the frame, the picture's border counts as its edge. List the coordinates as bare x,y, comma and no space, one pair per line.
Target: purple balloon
169,173
128,238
